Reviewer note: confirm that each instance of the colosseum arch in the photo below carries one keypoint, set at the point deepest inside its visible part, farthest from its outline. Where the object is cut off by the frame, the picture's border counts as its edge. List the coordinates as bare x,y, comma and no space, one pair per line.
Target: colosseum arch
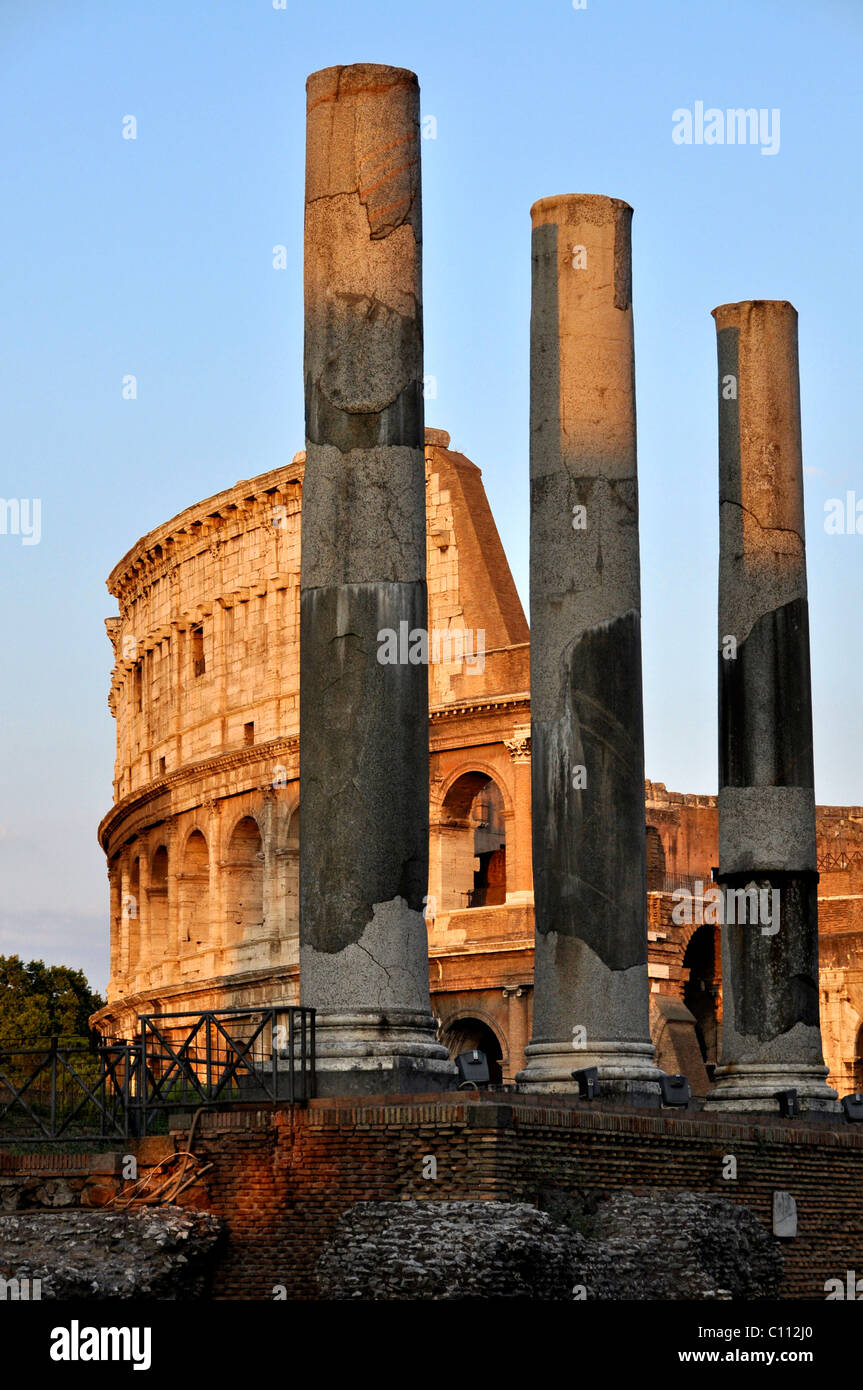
194,894
703,967
471,840
158,904
244,887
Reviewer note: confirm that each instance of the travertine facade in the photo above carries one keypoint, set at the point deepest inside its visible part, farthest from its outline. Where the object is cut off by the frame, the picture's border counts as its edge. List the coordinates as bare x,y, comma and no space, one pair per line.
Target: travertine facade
203,837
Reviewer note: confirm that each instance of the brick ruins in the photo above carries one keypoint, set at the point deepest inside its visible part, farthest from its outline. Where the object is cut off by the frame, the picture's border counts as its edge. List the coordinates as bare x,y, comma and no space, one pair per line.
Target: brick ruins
281,1181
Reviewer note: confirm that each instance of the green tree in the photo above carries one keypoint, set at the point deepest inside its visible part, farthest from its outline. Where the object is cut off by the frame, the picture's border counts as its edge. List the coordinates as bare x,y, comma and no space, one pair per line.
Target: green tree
39,1001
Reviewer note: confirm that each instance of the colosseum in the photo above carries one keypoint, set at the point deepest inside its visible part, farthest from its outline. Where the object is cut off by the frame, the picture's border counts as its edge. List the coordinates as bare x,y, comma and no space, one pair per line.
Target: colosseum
202,840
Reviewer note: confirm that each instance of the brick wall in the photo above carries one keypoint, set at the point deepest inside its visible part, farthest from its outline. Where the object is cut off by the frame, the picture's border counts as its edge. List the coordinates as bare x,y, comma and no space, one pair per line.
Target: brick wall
62,1179
280,1181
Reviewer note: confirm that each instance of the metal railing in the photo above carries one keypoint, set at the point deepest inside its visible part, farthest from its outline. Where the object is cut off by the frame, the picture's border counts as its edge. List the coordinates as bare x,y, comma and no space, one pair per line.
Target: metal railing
840,859
224,1057
218,1058
74,1092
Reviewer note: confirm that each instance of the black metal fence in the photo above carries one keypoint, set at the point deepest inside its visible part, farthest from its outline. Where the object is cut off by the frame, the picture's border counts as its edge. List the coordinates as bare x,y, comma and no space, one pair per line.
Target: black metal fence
839,859
181,1061
55,1091
224,1057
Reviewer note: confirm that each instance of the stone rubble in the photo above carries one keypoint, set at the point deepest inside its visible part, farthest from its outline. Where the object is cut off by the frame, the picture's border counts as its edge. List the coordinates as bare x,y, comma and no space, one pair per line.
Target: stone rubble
152,1253
652,1246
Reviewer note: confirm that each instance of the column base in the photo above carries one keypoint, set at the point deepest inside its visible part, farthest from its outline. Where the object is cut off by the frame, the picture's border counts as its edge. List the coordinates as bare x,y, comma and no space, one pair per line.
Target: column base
367,1053
753,1087
627,1071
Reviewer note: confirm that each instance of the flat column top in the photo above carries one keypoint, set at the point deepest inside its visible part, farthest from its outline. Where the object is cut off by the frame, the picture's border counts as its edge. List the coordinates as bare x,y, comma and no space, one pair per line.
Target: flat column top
328,84
728,314
591,207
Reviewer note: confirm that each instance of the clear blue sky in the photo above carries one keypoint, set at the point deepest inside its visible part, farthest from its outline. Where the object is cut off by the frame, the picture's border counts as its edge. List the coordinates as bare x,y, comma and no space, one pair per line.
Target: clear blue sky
154,257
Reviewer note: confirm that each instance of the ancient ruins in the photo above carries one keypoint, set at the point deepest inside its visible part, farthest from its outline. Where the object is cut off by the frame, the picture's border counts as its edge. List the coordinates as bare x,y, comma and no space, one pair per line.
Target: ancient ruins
587,742
440,793
364,745
771,1037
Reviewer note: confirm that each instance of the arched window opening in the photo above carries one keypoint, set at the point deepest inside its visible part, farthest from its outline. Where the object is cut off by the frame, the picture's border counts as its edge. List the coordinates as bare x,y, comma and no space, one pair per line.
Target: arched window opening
158,902
473,844
195,893
245,888
701,992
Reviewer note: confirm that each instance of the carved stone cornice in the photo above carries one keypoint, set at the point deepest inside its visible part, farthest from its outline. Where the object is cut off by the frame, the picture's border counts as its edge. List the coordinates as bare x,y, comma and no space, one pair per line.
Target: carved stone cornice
187,989
196,529
493,704
279,749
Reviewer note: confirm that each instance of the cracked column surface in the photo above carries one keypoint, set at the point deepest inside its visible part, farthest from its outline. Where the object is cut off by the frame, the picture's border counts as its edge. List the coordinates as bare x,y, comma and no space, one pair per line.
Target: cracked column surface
587,785
771,1038
364,724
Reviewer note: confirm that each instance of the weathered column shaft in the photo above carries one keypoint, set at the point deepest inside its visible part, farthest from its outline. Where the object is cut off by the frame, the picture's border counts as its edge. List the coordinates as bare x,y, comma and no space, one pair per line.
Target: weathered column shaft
771,1037
363,720
591,990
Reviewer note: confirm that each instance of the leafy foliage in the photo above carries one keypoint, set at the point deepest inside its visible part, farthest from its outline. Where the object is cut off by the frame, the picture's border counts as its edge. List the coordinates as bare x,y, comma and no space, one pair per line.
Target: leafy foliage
39,1001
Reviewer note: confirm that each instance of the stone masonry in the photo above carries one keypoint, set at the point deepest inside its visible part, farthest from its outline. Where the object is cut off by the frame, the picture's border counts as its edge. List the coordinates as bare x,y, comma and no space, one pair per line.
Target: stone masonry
591,984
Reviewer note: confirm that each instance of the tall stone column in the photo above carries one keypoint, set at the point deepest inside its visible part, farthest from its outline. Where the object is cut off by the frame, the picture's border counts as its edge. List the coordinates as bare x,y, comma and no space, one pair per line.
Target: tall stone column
591,987
363,707
771,1039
